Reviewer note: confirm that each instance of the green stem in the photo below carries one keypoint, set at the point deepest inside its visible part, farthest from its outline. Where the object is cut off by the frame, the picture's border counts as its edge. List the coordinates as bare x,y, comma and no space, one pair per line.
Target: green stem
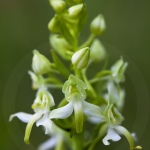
88,42
89,87
92,81
101,133
59,86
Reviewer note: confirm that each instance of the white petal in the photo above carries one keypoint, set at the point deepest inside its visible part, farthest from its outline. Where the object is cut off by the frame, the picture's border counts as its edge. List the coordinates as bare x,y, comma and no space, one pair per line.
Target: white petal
111,135
46,122
123,131
91,110
50,143
62,112
24,117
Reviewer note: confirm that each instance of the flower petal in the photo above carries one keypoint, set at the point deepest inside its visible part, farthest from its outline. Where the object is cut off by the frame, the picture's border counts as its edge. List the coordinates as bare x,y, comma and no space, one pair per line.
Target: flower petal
78,111
127,134
62,112
46,122
34,118
50,143
91,110
24,117
111,135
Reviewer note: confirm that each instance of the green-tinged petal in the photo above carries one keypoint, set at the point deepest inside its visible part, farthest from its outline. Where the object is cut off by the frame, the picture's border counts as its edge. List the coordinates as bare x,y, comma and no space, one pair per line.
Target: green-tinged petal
34,118
113,93
78,112
91,110
82,91
77,81
24,117
45,122
126,133
115,68
62,112
111,135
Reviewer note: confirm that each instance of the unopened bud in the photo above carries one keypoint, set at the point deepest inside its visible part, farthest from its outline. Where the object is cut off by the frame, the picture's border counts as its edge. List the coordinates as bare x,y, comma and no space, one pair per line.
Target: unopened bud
75,11
54,25
58,5
98,25
97,51
40,64
81,58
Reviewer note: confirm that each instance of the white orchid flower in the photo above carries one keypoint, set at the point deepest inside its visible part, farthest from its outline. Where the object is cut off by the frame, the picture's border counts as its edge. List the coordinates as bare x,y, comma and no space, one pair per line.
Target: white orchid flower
74,90
113,129
41,106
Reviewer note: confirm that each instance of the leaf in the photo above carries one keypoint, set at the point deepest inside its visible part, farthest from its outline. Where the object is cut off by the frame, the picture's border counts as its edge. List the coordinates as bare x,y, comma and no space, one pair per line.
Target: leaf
63,70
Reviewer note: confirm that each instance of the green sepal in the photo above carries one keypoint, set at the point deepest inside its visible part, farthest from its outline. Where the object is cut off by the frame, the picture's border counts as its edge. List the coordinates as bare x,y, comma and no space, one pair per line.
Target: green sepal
63,70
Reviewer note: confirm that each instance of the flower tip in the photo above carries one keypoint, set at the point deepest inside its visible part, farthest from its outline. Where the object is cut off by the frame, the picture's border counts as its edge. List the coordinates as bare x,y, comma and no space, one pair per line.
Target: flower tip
35,51
10,118
138,147
26,140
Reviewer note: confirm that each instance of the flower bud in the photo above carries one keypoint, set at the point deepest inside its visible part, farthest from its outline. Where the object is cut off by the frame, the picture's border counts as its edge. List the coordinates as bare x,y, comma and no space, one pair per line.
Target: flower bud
40,64
58,5
97,51
54,25
81,58
75,11
98,25
37,80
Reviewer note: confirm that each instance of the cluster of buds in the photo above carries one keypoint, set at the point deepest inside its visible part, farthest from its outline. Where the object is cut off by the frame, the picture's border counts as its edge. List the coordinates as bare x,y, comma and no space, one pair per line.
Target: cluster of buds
83,100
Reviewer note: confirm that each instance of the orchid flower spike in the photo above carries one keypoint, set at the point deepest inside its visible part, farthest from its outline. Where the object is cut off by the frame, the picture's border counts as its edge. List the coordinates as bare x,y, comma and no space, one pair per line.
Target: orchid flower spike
75,94
41,106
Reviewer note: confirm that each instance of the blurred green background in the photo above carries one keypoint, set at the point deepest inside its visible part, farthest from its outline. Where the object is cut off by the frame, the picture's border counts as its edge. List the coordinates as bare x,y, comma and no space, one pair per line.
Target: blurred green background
23,27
